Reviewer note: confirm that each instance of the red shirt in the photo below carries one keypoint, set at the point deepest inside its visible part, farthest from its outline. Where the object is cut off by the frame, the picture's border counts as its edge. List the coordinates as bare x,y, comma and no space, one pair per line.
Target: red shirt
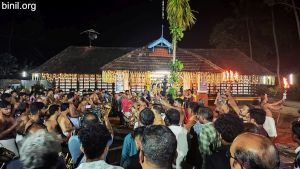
126,104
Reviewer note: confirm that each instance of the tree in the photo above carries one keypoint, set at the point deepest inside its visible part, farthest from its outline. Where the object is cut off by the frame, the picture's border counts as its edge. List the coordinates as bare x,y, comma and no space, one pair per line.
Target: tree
293,6
271,4
296,17
8,65
276,46
180,17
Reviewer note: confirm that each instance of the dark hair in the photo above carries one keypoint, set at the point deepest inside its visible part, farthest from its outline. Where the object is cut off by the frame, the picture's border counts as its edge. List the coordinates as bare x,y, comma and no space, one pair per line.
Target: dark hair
146,117
251,160
14,91
5,96
251,128
21,108
70,95
193,106
34,108
64,106
22,94
259,115
53,108
179,100
89,118
173,116
159,145
4,104
138,132
40,105
206,113
229,126
296,129
94,138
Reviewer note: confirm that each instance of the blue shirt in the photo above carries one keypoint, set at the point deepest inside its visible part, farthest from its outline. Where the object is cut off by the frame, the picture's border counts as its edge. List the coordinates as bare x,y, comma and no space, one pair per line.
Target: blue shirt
74,148
128,148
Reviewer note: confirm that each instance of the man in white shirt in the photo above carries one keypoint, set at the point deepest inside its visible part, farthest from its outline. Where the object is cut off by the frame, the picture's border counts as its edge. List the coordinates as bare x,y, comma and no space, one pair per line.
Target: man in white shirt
94,138
172,120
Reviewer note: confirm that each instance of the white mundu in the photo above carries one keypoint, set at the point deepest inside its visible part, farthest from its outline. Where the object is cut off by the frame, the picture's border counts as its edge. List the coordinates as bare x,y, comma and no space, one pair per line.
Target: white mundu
270,126
10,144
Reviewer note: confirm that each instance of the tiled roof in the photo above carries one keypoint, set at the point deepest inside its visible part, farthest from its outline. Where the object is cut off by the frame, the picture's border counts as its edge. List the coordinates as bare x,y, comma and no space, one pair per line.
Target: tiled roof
81,60
92,60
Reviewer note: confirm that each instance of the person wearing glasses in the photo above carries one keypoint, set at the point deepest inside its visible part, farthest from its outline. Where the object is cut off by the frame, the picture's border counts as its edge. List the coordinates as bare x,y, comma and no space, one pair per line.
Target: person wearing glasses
253,151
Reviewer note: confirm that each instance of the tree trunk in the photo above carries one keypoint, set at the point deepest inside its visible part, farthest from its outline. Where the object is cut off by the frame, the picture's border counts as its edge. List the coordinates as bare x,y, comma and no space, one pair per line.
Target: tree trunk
276,46
249,39
174,42
297,17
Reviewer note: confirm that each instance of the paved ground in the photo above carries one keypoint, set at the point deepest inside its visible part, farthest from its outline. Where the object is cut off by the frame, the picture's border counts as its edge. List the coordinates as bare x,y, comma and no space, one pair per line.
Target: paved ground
286,116
284,141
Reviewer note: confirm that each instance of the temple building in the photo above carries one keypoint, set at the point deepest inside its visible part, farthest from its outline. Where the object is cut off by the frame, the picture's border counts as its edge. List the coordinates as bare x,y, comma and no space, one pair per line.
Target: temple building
119,69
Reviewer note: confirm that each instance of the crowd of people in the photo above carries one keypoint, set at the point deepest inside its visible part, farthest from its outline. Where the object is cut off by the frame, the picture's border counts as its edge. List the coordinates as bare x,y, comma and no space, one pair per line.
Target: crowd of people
38,130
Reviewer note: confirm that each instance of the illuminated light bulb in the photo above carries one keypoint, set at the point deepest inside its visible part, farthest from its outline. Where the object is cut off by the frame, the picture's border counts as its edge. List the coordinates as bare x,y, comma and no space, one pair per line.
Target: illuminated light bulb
231,75
285,83
291,79
227,75
236,76
224,76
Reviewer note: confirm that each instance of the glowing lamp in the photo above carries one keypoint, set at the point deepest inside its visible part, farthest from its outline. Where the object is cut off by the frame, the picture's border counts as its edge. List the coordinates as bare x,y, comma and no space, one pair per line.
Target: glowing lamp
230,75
286,84
24,74
291,79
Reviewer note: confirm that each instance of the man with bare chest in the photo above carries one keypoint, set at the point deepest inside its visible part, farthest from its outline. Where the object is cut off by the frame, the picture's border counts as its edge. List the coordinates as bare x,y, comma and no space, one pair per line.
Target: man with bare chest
7,127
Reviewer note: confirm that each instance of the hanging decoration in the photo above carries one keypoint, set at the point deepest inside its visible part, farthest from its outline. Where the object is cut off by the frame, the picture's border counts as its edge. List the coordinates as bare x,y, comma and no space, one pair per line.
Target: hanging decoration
109,76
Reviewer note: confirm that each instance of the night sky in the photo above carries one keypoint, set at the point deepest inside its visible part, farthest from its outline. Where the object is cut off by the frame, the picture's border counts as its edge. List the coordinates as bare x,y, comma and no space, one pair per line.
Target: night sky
121,23
39,35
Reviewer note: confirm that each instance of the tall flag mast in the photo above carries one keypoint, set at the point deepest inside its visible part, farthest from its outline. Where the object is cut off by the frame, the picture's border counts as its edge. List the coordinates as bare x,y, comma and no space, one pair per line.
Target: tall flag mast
162,17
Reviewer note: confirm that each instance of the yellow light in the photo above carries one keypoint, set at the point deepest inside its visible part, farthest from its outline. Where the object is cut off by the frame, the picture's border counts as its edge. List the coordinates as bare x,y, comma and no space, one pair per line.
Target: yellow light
231,75
236,76
264,80
285,83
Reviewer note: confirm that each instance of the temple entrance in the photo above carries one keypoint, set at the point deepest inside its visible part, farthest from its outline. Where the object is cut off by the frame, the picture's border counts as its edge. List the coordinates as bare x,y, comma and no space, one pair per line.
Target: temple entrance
158,80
